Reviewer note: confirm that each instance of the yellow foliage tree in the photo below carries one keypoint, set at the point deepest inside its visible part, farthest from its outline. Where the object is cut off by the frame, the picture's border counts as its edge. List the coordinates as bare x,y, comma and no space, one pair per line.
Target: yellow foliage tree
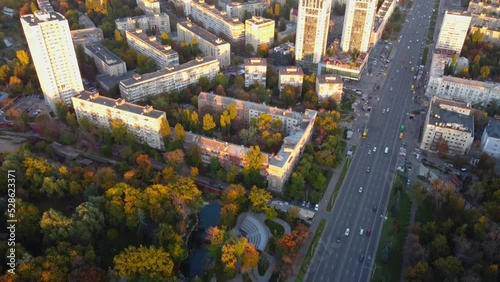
23,57
253,159
208,123
229,258
152,264
259,198
250,258
232,111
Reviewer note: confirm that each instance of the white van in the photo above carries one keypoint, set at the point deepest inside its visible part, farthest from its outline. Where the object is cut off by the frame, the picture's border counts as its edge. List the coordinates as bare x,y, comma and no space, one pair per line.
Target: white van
386,150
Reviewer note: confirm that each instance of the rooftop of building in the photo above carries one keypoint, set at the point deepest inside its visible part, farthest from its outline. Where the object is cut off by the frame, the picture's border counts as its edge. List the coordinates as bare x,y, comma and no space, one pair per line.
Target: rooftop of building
458,13
121,104
108,81
451,114
247,3
172,69
284,48
291,70
344,60
255,62
493,129
86,32
221,15
203,33
329,78
101,52
42,17
140,17
256,20
151,42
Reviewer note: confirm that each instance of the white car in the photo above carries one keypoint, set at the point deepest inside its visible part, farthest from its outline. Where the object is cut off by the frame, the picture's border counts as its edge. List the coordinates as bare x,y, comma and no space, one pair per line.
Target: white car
383,111
347,232
361,232
360,190
387,110
374,149
369,152
316,207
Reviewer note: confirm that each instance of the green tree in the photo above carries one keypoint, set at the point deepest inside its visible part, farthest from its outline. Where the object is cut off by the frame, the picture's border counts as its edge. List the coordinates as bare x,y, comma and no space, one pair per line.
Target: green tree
88,222
239,82
204,83
71,121
208,124
146,264
439,246
449,267
145,64
221,79
118,131
248,136
55,226
289,95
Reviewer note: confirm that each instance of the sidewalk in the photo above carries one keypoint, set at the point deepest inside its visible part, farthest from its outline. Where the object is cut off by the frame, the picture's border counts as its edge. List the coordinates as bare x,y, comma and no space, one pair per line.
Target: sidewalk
404,265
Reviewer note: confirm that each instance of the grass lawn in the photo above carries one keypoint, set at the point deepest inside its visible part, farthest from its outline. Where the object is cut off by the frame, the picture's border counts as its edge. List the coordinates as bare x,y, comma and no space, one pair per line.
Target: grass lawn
338,184
424,55
391,270
310,251
423,215
275,228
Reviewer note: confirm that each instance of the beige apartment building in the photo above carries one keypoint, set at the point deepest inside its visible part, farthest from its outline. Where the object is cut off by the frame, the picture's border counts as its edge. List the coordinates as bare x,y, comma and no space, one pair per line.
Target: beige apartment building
163,55
159,22
277,168
358,25
259,30
453,31
87,35
329,86
168,79
217,22
106,61
238,10
255,71
150,7
451,121
293,76
209,44
143,122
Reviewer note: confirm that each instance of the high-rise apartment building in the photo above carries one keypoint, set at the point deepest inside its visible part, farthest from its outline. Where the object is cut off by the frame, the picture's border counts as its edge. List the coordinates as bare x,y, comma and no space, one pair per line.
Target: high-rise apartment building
255,71
218,22
209,44
51,47
453,31
158,22
148,46
312,30
150,7
168,79
358,25
144,122
259,30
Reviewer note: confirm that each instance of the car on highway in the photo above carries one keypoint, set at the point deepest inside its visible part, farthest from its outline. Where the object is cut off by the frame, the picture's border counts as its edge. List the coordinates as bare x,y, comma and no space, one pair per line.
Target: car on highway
374,149
347,232
368,169
338,240
360,190
374,209
386,150
361,257
361,232
369,152
316,207
368,232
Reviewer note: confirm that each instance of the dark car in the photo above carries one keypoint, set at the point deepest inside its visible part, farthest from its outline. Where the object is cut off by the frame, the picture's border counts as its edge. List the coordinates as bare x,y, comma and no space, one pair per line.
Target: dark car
368,232
374,209
338,240
361,257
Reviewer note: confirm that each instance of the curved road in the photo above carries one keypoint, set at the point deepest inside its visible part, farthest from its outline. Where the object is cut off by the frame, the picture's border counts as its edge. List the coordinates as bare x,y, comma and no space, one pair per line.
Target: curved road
334,261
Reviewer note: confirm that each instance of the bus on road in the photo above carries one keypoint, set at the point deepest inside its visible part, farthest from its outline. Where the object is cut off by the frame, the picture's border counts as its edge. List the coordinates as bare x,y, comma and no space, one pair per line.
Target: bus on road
365,133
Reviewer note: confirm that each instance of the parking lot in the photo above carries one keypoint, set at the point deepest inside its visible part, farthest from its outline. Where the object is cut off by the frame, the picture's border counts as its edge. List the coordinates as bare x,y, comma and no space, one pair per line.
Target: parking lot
32,105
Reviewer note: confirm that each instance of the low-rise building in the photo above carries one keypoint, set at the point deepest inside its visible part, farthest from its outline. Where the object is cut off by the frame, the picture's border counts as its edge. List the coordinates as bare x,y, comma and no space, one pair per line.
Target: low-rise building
343,65
283,55
277,168
168,79
450,121
252,7
329,86
490,140
255,71
259,30
44,5
230,28
106,61
144,122
163,55
209,44
8,12
158,23
150,7
86,36
288,33
458,89
293,76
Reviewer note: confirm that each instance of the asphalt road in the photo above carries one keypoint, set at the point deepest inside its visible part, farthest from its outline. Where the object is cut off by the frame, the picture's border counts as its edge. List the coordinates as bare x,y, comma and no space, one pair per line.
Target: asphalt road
335,261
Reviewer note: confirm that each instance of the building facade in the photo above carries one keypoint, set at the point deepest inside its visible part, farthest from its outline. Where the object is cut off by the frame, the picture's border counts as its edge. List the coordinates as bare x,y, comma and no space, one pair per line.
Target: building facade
382,17
329,86
490,35
490,140
259,30
277,168
313,21
86,36
255,71
450,121
458,89
106,61
158,22
253,8
358,25
163,55
53,53
485,13
453,31
168,79
293,76
218,22
209,44
150,7
144,122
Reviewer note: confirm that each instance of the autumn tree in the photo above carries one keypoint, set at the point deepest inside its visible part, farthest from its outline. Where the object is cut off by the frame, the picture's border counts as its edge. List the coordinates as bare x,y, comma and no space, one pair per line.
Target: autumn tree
208,124
449,267
180,134
485,72
122,203
88,222
225,123
221,79
55,226
249,258
165,39
259,198
253,159
23,57
142,263
442,147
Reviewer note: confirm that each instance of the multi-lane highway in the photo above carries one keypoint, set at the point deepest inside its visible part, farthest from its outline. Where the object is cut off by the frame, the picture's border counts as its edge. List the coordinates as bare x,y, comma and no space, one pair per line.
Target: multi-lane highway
338,257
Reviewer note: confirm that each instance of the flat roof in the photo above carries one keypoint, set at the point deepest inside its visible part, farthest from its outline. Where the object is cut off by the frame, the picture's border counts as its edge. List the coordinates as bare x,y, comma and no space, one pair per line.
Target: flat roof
291,71
151,42
203,33
442,115
103,54
222,16
159,73
255,62
493,128
121,104
259,20
108,81
329,78
42,16
149,16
